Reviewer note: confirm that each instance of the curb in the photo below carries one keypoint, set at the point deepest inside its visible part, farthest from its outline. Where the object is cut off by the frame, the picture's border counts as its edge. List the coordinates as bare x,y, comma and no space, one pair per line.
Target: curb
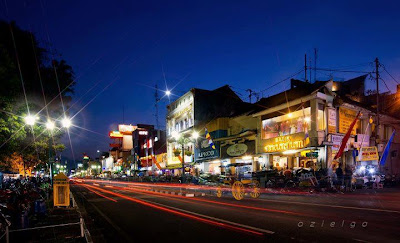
88,237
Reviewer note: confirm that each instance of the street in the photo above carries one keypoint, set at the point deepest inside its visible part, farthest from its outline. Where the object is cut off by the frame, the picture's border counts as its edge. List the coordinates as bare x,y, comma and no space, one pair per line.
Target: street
131,213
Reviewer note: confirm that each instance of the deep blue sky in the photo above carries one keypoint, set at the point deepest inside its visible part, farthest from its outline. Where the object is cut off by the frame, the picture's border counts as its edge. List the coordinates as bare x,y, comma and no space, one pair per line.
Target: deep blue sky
247,44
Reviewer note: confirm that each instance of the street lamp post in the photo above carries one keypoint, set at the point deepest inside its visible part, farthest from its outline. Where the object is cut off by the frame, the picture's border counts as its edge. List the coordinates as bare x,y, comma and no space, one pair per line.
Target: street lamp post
182,140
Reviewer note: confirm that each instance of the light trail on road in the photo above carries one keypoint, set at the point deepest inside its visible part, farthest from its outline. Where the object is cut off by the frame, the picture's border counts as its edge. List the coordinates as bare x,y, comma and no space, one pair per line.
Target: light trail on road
187,214
171,196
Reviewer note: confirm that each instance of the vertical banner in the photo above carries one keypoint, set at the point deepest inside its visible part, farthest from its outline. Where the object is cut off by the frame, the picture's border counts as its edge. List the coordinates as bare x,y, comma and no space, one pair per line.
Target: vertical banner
331,120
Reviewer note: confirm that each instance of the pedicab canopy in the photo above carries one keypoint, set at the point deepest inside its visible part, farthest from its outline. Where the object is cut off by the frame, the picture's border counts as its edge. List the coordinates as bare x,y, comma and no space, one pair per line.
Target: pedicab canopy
61,190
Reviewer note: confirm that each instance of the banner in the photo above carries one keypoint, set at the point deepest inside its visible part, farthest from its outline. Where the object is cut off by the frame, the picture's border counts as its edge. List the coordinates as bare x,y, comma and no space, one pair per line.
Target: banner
387,148
331,120
346,137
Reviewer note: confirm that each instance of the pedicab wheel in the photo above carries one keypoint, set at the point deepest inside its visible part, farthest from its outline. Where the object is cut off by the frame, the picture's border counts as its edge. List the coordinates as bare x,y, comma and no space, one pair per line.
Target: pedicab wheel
255,192
238,190
219,191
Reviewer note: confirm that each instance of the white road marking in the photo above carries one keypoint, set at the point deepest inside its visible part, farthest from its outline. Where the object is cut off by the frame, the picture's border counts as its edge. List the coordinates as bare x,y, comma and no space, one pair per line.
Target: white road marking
332,206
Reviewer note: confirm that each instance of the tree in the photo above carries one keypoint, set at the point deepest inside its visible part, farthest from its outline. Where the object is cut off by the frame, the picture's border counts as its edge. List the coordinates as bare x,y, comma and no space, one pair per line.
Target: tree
26,64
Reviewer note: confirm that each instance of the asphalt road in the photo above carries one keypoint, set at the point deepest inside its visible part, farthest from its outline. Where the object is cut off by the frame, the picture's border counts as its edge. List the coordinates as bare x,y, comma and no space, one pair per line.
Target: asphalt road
131,214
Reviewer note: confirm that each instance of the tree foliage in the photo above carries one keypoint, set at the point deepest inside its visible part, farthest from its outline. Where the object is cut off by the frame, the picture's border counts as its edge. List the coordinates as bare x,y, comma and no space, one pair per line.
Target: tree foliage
24,63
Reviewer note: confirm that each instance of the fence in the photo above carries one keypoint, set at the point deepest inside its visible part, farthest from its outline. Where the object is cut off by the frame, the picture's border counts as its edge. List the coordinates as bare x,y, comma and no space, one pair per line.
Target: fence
83,232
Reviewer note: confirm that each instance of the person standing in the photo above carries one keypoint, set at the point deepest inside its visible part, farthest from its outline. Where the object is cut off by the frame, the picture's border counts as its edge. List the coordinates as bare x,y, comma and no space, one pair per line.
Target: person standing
339,175
348,177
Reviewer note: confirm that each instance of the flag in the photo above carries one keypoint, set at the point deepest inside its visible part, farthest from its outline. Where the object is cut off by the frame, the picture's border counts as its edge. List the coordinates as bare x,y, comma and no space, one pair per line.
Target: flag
386,151
210,141
346,137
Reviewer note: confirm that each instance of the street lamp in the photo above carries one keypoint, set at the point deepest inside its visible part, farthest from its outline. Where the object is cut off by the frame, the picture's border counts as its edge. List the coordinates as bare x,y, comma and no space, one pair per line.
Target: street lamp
50,125
30,120
195,135
66,122
167,93
182,140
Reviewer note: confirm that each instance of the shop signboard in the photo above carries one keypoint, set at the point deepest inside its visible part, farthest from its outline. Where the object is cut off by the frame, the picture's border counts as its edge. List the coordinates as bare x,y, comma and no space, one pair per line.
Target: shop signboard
115,134
204,151
238,149
337,141
368,154
346,117
312,155
126,129
331,120
283,143
362,138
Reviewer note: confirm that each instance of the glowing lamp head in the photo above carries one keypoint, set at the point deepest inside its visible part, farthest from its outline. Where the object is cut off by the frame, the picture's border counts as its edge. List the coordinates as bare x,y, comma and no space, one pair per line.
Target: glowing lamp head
307,119
50,125
30,120
167,93
371,170
362,168
195,135
290,115
66,122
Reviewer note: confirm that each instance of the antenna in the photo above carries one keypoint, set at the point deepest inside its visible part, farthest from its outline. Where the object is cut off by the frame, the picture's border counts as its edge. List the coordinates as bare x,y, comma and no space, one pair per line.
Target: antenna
123,113
315,63
251,92
305,67
156,105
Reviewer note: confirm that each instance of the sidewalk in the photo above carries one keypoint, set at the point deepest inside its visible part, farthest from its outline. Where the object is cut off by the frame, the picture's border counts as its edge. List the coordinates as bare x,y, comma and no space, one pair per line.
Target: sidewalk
54,216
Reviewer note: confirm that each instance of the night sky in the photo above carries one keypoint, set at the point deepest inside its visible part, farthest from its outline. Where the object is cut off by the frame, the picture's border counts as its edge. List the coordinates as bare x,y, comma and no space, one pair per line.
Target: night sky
204,44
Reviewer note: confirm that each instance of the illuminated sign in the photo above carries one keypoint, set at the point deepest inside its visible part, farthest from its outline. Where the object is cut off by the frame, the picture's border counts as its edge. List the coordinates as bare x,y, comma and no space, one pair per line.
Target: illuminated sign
368,153
346,117
143,133
85,157
283,143
126,129
115,134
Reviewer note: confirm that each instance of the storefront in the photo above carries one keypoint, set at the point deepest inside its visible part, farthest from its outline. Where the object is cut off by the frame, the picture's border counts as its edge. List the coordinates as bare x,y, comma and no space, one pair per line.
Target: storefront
290,152
207,159
238,157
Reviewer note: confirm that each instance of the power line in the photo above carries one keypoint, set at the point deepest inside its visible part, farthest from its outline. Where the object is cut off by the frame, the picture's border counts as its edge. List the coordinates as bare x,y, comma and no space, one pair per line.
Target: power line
384,68
283,80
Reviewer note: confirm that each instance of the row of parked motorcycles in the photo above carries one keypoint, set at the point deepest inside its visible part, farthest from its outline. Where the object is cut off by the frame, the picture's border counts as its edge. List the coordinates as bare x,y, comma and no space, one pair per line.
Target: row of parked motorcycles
19,199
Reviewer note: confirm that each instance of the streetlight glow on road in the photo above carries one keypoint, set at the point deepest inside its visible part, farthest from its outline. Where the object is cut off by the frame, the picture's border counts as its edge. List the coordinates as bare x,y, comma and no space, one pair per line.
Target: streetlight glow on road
66,122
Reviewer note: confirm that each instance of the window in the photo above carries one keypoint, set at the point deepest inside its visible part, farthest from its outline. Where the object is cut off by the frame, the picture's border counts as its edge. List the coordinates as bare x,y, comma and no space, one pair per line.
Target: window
300,121
387,132
321,121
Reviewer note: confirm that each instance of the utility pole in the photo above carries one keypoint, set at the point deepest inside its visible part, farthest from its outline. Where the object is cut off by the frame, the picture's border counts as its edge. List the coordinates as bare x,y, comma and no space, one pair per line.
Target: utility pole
250,94
377,96
315,64
305,67
310,71
156,106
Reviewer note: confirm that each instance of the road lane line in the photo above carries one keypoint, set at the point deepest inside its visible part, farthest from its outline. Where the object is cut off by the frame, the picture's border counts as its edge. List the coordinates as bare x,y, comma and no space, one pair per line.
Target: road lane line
331,206
206,219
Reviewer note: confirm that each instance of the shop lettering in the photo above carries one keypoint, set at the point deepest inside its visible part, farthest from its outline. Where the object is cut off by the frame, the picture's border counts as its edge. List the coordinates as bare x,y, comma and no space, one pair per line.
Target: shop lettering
282,146
206,154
